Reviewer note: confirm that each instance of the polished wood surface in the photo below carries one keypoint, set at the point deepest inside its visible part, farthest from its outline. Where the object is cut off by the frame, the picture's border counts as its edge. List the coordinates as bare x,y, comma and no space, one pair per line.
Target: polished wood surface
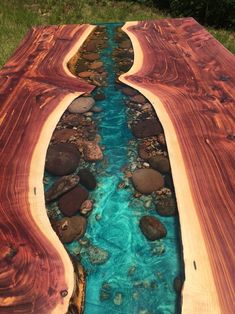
189,78
36,274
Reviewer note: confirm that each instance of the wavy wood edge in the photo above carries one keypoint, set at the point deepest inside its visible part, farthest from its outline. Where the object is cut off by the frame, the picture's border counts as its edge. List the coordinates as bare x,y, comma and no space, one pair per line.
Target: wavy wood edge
199,294
37,202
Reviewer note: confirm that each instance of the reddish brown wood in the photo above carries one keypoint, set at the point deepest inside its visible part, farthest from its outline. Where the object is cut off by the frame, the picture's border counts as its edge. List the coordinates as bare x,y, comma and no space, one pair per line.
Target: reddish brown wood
32,84
193,75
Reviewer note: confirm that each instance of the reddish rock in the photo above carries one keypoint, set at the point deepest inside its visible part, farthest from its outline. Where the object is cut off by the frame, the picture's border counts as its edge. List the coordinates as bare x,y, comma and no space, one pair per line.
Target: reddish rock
140,99
91,56
64,135
81,105
70,229
160,163
152,228
99,96
86,207
61,186
71,202
92,151
73,119
147,181
143,151
62,159
85,74
146,128
96,65
129,91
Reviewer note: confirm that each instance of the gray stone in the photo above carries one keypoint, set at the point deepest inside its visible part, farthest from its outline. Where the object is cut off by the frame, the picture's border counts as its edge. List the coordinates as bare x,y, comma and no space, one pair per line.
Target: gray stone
81,105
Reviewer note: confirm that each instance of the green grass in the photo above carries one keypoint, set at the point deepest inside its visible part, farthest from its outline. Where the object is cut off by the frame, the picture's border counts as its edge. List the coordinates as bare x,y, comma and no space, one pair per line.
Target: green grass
17,16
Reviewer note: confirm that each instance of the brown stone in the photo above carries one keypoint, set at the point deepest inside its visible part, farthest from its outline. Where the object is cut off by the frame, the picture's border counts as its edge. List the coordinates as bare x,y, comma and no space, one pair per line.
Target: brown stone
126,44
143,151
146,128
166,206
85,74
62,159
61,186
140,99
160,163
128,91
152,228
91,56
64,135
73,119
147,181
96,65
70,203
70,229
92,151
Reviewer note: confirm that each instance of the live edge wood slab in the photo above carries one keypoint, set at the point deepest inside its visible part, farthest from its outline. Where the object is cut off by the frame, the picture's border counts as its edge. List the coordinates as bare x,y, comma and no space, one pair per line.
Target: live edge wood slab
189,78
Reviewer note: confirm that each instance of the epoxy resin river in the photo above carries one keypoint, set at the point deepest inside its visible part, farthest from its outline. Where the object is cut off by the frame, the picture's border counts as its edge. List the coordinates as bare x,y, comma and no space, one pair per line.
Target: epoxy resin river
129,270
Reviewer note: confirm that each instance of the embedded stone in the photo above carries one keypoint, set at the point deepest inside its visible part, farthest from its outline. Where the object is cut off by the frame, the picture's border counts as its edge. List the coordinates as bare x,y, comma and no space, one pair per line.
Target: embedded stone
62,159
152,228
147,181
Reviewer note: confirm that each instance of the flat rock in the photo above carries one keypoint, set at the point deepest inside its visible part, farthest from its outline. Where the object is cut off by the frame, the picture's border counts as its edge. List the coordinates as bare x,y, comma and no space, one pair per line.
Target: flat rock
140,99
85,74
126,44
62,159
61,186
87,179
96,65
81,105
73,119
128,91
146,128
152,228
92,151
166,206
70,229
160,163
64,135
91,56
70,203
147,181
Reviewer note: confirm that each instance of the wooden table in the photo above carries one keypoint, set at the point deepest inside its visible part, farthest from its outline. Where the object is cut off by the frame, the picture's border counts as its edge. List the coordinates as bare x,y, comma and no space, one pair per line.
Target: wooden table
189,78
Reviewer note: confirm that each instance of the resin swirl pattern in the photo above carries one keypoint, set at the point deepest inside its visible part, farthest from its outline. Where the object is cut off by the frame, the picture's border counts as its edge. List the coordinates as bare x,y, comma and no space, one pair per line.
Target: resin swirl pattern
36,273
189,78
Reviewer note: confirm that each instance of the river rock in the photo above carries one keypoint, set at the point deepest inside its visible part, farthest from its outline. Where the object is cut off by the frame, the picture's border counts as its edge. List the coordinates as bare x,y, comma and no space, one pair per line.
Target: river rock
147,180
70,229
105,292
62,159
118,298
81,67
126,44
146,128
86,207
96,255
91,56
128,91
61,186
143,151
96,65
152,228
92,151
166,206
85,74
87,179
160,163
70,203
81,105
140,99
73,119
64,135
